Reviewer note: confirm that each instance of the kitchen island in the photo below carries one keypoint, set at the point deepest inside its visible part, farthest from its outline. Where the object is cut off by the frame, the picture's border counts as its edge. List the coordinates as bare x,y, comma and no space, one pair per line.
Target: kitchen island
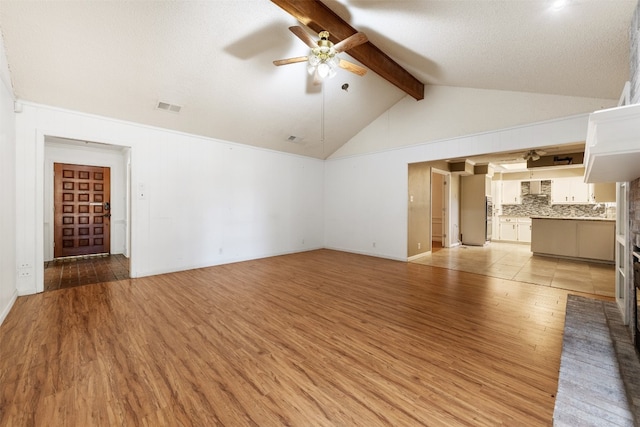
584,238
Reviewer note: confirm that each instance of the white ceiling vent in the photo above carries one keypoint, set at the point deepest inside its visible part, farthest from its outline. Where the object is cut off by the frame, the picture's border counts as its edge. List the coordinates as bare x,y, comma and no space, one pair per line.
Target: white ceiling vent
295,139
168,107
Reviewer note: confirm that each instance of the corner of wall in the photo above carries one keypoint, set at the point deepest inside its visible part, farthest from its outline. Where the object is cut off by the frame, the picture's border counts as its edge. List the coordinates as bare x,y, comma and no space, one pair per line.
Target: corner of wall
5,74
4,311
8,276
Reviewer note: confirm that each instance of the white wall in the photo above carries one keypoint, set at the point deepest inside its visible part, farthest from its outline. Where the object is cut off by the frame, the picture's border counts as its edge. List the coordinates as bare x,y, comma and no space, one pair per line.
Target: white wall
8,271
366,195
450,112
195,201
94,155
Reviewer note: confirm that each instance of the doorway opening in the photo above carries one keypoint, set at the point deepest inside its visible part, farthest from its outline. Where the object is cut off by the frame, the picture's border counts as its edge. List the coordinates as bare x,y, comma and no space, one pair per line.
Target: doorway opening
440,209
69,272
86,213
431,227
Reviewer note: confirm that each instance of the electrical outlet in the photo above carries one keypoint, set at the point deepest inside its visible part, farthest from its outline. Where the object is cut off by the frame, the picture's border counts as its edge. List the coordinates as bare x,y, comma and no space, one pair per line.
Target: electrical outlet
25,265
419,245
374,244
24,273
142,193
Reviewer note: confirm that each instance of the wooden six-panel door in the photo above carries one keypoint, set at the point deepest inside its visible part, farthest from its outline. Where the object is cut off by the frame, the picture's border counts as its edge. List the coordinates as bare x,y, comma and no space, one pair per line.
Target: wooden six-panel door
81,210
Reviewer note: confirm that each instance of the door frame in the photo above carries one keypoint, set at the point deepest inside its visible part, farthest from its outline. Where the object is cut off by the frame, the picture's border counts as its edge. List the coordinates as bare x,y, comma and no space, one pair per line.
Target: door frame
94,209
446,206
44,172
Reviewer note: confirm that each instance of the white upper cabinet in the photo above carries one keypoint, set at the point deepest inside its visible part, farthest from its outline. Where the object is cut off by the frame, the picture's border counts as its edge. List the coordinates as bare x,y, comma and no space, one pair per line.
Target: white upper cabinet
511,192
570,190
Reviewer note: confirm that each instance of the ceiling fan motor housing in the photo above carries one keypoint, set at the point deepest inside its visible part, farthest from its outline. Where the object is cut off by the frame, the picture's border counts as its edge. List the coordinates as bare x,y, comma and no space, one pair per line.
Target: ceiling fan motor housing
323,58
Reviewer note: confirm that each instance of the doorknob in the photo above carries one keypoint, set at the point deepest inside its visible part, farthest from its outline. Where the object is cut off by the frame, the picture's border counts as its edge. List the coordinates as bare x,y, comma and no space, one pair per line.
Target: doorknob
107,215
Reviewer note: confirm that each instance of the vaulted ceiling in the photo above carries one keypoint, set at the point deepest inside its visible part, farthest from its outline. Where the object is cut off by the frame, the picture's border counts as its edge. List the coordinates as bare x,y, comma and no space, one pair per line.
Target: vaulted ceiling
214,59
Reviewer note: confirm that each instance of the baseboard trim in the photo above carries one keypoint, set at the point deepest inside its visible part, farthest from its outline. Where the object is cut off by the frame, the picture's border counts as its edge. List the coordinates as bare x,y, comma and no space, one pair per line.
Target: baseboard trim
7,309
415,257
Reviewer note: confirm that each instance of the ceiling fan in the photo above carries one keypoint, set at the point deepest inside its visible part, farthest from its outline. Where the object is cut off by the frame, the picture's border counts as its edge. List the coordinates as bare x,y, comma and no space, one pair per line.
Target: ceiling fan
534,155
323,60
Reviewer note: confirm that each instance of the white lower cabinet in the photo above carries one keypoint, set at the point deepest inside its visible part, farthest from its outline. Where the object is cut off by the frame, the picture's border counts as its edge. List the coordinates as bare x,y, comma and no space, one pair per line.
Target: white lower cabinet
508,231
515,229
524,230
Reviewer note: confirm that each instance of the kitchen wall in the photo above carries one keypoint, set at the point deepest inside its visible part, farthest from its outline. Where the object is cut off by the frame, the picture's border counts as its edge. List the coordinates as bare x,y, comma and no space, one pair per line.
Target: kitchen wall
366,195
419,206
540,205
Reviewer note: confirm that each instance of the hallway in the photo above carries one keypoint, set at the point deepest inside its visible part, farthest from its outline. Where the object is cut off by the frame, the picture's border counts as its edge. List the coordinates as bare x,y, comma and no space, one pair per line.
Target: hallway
78,271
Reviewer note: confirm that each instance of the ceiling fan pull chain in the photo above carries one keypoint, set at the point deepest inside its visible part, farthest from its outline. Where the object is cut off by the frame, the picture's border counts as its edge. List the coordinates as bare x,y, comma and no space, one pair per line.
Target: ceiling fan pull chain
322,120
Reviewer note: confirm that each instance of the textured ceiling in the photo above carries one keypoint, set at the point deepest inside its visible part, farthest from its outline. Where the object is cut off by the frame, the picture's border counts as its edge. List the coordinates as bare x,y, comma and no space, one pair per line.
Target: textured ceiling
119,58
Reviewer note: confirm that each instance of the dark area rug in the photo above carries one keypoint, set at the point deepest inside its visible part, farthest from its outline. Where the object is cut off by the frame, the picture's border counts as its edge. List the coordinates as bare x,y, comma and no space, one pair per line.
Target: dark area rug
592,390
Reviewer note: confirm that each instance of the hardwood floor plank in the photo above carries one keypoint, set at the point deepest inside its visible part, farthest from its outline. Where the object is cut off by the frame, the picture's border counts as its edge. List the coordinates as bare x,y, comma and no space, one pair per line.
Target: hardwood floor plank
320,338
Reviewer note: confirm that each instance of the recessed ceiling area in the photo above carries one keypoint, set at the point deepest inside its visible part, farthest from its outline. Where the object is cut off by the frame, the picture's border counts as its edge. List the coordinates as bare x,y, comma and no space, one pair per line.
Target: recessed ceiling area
514,161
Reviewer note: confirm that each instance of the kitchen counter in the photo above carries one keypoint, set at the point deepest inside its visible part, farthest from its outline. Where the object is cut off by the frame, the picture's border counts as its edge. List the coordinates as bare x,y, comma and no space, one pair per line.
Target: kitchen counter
581,238
574,218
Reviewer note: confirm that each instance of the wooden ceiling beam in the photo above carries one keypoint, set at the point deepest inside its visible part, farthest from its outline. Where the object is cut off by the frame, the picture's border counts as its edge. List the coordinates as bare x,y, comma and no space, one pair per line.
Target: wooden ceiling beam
318,17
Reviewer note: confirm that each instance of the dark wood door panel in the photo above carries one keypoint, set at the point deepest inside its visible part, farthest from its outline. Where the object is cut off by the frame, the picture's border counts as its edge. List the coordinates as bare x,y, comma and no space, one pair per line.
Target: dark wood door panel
82,210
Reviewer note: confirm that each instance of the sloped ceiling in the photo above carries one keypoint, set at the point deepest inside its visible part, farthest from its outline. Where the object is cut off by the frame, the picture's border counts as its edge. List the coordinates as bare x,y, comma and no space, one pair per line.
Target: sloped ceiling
214,58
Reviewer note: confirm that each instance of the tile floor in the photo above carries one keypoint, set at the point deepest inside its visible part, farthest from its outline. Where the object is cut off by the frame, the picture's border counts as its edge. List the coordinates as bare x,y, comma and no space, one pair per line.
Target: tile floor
516,262
77,271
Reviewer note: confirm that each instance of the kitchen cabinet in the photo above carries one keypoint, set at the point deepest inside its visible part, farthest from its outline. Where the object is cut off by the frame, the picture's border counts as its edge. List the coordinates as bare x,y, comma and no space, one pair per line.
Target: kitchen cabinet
524,230
511,192
574,238
570,191
604,192
515,229
596,240
508,229
612,152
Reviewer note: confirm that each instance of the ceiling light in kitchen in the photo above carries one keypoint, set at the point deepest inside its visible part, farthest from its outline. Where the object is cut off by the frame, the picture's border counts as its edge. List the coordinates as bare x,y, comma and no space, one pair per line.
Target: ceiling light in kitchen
514,166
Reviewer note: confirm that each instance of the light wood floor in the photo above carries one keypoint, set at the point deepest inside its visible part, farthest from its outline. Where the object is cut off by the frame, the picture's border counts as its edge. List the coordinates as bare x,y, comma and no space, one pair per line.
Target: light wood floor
321,338
516,262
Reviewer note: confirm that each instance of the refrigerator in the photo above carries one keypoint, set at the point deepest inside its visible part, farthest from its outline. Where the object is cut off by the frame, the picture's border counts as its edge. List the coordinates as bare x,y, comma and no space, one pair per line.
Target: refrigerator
476,210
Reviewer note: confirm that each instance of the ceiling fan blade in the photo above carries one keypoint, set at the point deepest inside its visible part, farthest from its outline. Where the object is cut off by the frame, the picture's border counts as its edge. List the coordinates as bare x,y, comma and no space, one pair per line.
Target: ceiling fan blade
351,42
304,36
350,66
290,60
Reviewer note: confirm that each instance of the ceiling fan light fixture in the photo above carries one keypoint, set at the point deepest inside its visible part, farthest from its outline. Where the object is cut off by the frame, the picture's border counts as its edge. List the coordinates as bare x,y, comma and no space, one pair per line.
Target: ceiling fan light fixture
323,61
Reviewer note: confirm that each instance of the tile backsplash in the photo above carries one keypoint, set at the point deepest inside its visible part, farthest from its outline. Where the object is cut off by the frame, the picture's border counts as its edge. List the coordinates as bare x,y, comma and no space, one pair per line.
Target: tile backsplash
540,205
